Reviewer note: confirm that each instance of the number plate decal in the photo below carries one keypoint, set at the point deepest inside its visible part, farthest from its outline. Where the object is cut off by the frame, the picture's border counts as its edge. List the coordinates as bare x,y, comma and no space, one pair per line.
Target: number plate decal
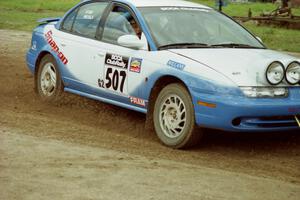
115,74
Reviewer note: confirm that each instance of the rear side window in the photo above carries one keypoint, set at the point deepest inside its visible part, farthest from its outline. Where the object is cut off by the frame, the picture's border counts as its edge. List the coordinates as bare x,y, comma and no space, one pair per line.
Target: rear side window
69,20
87,19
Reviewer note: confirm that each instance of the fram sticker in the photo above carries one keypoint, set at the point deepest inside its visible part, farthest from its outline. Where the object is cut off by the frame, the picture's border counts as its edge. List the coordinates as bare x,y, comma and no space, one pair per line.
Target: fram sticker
136,65
294,110
183,8
176,65
137,101
55,48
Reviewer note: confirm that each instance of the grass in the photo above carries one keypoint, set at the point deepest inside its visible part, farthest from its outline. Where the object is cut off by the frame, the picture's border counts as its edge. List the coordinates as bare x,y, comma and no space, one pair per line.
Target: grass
38,5
241,9
20,20
23,14
277,38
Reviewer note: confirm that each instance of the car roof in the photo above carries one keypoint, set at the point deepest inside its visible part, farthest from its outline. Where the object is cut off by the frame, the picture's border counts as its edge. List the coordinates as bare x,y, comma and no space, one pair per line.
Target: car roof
173,3
158,3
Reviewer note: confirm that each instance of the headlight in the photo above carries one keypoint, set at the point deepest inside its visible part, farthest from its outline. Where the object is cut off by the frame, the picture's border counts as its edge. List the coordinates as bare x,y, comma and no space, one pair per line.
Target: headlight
292,74
275,73
261,92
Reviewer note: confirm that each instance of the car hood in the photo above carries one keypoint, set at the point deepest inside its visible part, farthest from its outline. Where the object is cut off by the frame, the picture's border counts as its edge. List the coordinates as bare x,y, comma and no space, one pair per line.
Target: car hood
245,67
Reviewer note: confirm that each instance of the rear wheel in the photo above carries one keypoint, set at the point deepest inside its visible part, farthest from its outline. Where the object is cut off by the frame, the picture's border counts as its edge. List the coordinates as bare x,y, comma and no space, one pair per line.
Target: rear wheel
48,81
174,117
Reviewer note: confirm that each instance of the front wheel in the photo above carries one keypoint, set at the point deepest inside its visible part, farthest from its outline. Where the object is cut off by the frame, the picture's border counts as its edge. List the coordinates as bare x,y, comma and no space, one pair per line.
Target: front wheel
48,81
174,117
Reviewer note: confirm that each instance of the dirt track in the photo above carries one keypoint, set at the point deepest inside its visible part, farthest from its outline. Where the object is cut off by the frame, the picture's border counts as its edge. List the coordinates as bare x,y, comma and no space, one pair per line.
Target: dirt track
82,149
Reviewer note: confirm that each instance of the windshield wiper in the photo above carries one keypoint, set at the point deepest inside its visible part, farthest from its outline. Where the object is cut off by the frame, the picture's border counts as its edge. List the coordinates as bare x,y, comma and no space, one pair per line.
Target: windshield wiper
236,45
183,46
203,45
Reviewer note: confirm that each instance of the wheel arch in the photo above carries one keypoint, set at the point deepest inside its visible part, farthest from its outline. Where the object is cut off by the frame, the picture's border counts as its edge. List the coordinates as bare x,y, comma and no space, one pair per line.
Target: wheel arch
41,55
38,60
159,84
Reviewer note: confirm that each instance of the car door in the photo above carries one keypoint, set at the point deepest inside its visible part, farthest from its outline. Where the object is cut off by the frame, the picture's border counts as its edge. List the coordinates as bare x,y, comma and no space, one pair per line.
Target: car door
77,38
121,73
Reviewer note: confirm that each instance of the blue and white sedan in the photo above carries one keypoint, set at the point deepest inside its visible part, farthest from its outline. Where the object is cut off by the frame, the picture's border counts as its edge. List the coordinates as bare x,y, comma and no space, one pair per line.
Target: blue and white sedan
185,65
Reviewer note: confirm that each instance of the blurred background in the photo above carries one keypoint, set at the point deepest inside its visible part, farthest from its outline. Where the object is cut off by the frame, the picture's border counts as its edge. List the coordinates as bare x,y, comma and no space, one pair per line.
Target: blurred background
277,23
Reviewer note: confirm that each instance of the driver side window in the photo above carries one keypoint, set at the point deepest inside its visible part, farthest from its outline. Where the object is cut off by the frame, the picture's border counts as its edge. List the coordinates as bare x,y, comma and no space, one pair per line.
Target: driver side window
120,22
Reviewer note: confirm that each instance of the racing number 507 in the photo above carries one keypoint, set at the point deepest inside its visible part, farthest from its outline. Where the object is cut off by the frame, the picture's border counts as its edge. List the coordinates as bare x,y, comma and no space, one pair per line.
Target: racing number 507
115,79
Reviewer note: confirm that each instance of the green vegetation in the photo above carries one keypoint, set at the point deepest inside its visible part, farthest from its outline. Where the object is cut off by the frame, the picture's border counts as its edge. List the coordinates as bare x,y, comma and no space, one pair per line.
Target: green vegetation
22,15
38,5
277,38
241,9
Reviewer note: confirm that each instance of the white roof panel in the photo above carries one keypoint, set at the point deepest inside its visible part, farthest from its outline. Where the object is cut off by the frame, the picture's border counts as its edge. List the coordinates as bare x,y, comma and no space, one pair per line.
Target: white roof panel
155,3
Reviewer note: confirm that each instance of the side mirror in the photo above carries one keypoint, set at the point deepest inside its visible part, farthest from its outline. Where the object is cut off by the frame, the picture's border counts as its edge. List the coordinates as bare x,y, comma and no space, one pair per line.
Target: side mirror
131,41
259,39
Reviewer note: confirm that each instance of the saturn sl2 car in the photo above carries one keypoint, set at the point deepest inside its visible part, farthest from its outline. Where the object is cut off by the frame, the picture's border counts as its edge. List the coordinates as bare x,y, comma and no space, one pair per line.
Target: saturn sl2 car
185,65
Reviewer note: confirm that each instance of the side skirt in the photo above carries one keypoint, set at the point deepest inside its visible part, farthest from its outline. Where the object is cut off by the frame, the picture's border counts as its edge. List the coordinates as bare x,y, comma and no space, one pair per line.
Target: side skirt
116,103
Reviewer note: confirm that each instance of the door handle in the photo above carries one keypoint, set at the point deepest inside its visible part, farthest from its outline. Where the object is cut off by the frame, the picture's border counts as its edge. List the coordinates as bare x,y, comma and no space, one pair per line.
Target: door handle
63,44
101,54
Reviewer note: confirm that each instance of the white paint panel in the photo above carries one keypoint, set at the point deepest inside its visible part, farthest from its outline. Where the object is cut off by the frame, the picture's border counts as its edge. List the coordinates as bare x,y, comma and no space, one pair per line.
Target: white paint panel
85,56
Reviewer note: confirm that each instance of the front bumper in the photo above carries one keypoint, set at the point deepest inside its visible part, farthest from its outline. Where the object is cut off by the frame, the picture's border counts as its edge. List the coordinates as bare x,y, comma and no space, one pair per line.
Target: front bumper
240,113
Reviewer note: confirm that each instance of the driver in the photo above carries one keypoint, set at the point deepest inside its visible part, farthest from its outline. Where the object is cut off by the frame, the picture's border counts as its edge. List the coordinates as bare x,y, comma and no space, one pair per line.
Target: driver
136,27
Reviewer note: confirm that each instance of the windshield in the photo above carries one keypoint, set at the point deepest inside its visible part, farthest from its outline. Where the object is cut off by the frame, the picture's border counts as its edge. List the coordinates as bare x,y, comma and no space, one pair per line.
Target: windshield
182,27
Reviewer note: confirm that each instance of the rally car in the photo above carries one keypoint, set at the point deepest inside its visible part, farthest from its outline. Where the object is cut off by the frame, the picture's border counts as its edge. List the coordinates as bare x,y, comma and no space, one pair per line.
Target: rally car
185,65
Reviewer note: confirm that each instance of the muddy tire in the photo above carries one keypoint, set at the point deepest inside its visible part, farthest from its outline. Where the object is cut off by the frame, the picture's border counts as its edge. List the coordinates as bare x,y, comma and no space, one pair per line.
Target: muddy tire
48,83
174,118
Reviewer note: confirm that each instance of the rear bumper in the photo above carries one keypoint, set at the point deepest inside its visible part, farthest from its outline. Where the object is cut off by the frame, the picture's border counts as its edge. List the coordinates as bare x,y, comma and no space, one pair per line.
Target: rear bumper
239,113
30,60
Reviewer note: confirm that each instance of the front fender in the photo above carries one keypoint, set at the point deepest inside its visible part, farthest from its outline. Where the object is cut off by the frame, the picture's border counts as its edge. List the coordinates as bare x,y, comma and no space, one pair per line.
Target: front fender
194,83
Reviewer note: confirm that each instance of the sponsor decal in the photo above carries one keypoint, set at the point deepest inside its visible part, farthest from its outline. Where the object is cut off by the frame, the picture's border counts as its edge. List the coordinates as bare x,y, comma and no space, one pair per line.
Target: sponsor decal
55,48
136,65
176,65
116,60
183,9
138,101
236,73
115,73
89,15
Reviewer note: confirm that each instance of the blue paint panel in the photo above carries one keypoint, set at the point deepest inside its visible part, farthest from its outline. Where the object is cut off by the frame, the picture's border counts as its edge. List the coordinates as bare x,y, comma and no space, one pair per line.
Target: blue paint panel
231,104
40,45
192,81
31,59
230,107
